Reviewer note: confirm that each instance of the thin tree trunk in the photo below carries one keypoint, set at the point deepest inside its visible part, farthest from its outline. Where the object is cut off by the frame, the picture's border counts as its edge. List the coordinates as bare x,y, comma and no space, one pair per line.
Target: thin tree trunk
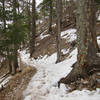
58,38
93,24
60,10
9,64
29,24
4,17
29,18
33,28
50,18
14,60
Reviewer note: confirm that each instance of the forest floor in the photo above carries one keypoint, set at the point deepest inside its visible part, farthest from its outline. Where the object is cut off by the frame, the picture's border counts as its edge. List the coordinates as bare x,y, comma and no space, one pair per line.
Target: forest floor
14,88
44,85
39,82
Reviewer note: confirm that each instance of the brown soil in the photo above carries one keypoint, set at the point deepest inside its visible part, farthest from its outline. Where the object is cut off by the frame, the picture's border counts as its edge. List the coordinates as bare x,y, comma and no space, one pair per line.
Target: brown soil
48,44
18,83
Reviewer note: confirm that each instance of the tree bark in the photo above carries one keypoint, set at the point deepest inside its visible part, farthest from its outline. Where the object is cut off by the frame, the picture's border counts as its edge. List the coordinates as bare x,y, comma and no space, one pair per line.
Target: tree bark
4,17
33,28
29,24
87,59
14,60
58,38
86,32
50,18
61,10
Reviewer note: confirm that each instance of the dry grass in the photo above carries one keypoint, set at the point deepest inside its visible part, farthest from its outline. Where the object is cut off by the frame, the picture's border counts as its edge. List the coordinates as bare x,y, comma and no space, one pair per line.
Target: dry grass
17,84
21,74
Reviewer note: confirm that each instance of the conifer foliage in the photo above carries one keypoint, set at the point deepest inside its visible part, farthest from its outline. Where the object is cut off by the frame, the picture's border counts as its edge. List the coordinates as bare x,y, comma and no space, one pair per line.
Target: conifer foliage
12,32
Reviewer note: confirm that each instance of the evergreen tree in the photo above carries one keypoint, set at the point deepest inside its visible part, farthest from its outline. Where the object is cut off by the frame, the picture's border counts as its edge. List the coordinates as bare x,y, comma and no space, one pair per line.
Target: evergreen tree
12,33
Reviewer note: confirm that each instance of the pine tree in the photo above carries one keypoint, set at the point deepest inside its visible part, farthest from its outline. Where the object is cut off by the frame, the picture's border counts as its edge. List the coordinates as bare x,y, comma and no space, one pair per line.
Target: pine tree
12,33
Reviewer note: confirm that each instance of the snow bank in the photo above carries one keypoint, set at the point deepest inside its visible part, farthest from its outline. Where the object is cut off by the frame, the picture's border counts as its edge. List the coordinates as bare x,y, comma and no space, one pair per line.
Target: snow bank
43,86
42,36
5,81
69,35
99,17
65,51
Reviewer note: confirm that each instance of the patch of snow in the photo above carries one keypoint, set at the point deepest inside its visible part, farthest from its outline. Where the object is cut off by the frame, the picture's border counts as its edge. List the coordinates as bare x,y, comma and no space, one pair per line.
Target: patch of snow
98,54
99,17
37,44
5,81
1,22
43,86
9,22
39,21
43,36
53,25
2,59
98,40
69,35
38,2
64,51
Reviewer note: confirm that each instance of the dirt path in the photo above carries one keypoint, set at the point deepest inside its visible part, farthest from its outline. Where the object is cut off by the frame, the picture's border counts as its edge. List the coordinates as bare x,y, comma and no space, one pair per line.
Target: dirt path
17,84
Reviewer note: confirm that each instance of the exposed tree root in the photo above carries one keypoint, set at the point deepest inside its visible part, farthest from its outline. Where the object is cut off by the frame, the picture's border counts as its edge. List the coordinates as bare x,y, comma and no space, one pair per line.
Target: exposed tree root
82,72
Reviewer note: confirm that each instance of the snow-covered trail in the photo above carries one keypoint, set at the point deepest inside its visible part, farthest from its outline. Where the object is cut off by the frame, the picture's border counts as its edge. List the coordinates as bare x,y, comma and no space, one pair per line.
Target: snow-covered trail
43,86
35,90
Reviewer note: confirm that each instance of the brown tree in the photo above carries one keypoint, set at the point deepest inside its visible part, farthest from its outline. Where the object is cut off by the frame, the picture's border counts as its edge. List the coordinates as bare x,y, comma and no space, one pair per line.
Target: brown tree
4,17
13,56
58,38
29,23
32,41
87,59
50,17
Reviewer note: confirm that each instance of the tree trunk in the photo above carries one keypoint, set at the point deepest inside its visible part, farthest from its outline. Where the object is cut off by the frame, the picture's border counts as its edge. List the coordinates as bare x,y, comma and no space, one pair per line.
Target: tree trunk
86,32
33,28
14,60
50,18
87,59
9,66
93,25
4,17
58,38
60,10
29,24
